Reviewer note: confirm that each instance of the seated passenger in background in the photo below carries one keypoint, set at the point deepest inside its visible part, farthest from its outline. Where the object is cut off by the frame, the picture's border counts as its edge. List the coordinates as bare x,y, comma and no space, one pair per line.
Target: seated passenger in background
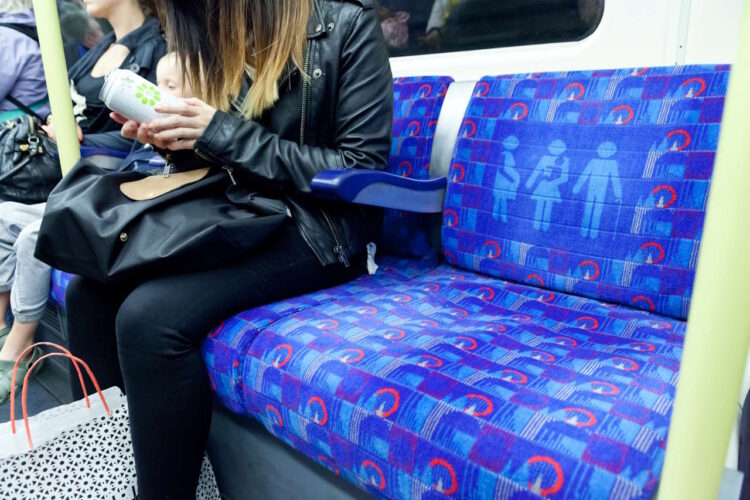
418,13
22,76
441,9
136,43
80,33
24,280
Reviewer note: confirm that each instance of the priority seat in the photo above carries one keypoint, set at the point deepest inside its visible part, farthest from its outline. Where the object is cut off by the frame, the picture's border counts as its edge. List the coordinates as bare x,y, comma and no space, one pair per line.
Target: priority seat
541,357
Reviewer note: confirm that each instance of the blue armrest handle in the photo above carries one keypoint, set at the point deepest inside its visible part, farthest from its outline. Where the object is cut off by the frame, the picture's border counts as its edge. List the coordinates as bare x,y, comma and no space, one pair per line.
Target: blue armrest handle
381,189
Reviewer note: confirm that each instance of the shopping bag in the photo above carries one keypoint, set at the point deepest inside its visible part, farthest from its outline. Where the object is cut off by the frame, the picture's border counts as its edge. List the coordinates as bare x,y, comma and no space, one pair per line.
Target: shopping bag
77,451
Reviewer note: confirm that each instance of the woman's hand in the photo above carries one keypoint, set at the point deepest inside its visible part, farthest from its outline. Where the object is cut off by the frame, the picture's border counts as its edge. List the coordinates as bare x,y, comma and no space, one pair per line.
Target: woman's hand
180,130
49,128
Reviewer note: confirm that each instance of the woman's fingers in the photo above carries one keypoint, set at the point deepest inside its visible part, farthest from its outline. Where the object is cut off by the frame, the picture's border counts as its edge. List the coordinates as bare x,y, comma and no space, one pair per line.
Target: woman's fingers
178,133
129,129
50,130
117,117
171,122
182,109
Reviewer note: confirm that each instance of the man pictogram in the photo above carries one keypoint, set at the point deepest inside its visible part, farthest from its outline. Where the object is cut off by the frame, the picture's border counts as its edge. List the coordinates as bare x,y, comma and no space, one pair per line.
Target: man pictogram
598,173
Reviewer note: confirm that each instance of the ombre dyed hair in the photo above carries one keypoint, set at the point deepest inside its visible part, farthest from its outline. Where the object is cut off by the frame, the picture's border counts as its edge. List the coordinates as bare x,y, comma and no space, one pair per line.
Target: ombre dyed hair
217,39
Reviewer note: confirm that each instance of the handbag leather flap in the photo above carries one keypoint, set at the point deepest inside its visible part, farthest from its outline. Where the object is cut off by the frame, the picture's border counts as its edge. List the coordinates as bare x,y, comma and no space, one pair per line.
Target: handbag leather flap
154,186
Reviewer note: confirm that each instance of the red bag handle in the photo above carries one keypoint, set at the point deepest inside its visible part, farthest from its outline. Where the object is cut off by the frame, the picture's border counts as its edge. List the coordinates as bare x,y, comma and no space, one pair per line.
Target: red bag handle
65,354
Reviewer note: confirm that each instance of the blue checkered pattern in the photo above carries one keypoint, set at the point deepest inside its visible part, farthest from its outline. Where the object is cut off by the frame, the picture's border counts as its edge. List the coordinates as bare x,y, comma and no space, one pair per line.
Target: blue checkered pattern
416,107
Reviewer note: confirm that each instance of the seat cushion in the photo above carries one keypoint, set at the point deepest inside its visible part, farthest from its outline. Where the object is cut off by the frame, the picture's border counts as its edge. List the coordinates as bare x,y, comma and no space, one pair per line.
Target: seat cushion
417,102
593,183
411,384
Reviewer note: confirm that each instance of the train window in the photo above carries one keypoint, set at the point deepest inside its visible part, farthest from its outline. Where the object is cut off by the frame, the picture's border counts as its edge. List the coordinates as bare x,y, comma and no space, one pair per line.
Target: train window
413,27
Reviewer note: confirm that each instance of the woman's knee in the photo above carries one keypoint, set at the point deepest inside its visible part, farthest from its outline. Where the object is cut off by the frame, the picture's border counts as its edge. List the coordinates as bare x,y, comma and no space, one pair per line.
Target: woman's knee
26,242
144,328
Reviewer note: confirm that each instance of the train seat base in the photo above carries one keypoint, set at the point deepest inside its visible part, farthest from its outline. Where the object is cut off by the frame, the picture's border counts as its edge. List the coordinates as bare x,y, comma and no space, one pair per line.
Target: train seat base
450,381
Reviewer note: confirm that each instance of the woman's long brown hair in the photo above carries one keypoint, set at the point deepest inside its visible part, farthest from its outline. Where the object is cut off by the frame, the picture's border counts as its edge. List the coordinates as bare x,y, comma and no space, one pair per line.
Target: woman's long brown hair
217,39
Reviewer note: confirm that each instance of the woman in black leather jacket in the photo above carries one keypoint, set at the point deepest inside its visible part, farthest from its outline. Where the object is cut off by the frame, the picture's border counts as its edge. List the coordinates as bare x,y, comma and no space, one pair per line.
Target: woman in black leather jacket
290,89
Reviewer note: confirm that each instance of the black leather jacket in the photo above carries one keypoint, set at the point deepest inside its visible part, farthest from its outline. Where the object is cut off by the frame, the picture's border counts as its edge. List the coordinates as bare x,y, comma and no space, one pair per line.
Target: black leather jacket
341,117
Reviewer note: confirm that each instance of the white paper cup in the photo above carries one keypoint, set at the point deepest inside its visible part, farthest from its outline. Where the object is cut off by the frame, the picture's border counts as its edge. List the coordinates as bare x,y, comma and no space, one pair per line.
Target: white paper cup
134,97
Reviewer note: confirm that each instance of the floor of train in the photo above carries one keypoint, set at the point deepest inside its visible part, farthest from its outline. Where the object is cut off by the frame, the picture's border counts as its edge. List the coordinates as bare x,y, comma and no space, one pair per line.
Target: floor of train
41,395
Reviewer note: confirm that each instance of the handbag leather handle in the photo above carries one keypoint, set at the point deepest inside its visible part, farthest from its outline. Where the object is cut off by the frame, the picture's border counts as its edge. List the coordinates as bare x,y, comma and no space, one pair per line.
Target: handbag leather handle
65,354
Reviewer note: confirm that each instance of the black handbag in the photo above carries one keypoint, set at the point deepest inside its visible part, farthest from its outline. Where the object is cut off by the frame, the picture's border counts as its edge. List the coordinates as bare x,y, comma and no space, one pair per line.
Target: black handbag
29,166
91,227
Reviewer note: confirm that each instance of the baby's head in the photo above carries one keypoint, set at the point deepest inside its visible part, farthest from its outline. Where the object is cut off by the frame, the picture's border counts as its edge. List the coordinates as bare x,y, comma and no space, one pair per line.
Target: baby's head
169,76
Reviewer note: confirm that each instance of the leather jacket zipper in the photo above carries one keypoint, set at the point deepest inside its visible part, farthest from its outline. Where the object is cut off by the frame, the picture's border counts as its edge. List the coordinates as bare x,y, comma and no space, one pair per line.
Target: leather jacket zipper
228,170
339,249
305,86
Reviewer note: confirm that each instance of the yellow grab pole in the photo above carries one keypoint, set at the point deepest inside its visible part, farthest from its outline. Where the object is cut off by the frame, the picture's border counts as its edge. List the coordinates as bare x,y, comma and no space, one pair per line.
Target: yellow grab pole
718,329
56,75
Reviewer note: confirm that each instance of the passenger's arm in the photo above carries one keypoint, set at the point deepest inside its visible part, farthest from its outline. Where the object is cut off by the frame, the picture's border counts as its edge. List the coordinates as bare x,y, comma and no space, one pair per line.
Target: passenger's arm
363,121
437,15
9,61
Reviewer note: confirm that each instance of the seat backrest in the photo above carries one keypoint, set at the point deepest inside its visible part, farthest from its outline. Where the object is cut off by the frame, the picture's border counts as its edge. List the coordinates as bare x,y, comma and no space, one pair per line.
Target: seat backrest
592,183
417,103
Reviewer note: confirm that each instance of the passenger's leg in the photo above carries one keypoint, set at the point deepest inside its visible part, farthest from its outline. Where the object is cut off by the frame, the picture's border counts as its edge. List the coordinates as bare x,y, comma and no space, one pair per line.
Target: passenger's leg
160,328
91,309
13,218
28,295
108,140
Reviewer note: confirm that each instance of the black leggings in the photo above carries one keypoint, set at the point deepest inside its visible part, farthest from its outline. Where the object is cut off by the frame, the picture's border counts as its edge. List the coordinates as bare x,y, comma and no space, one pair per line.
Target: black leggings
146,339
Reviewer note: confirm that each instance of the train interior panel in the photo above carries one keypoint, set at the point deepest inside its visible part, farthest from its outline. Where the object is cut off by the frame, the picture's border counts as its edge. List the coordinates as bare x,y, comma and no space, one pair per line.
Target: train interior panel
521,330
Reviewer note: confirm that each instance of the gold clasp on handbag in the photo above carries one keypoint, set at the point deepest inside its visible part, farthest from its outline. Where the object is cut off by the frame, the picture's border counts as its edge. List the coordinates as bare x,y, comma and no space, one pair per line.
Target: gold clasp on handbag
32,146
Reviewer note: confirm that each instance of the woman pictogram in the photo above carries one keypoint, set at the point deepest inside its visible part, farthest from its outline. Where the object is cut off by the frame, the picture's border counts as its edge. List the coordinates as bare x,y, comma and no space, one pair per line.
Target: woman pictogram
547,192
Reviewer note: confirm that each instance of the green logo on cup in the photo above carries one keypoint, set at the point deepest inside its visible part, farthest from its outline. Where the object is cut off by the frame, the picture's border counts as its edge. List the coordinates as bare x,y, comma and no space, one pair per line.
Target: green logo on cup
148,94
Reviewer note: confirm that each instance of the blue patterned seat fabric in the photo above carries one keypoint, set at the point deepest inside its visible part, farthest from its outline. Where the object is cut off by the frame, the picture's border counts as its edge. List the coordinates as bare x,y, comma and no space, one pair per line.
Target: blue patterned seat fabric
445,382
60,282
593,183
536,369
416,107
513,378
